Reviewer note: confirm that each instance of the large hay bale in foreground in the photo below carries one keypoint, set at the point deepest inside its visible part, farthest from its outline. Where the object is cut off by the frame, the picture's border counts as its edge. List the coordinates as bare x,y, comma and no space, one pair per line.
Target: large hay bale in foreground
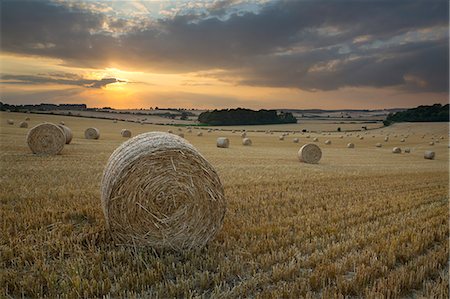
23,124
10,122
92,133
310,153
396,150
351,145
67,132
223,142
429,155
125,133
246,141
46,139
159,191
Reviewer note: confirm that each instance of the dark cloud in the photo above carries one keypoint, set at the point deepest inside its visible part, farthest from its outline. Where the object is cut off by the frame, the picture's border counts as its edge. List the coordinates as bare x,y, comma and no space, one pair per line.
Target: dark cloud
312,45
62,79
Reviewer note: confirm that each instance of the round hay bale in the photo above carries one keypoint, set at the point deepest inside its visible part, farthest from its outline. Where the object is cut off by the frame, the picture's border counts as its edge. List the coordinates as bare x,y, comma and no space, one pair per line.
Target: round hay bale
351,145
46,139
115,121
361,137
246,141
189,131
402,140
308,136
295,140
378,145
328,142
386,139
125,133
27,118
209,130
396,150
158,191
407,150
180,129
10,122
233,131
170,131
442,137
181,135
316,139
281,137
310,153
429,155
199,134
23,124
341,137
67,132
431,143
61,123
92,133
243,135
223,142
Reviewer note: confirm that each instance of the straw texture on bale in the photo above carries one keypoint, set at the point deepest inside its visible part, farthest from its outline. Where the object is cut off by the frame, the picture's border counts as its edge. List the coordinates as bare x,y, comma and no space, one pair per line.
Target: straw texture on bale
223,142
9,121
310,153
295,140
158,191
246,141
125,133
350,145
92,133
396,150
23,124
429,155
46,139
67,132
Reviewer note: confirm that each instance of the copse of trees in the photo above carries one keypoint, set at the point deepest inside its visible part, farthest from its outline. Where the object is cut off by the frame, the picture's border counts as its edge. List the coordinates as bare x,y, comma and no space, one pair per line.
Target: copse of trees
240,116
433,113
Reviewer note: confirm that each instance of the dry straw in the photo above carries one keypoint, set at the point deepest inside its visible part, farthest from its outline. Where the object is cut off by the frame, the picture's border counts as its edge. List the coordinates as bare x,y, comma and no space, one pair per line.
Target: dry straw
351,145
295,140
386,139
46,139
181,135
61,123
378,145
310,153
429,155
27,118
159,191
92,133
328,142
431,143
396,150
23,124
243,135
407,150
223,142
10,122
316,139
281,137
199,134
115,121
125,133
246,141
67,132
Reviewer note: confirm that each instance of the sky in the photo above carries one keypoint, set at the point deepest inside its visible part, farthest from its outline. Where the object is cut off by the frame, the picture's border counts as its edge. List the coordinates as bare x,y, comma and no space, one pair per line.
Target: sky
326,54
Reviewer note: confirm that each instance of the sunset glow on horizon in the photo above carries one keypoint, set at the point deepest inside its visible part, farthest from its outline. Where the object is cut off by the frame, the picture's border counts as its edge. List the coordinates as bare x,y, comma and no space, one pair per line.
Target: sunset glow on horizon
225,54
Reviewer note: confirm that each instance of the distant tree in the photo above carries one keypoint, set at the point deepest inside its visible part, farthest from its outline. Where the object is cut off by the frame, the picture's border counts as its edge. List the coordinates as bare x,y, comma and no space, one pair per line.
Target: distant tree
241,116
184,116
433,113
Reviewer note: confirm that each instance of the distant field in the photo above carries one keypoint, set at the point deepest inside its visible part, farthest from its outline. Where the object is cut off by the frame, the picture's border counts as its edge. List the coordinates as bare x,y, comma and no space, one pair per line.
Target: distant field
362,223
310,122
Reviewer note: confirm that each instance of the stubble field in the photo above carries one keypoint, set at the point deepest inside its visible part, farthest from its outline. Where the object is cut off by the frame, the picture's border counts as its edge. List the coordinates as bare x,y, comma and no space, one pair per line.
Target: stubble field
362,223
